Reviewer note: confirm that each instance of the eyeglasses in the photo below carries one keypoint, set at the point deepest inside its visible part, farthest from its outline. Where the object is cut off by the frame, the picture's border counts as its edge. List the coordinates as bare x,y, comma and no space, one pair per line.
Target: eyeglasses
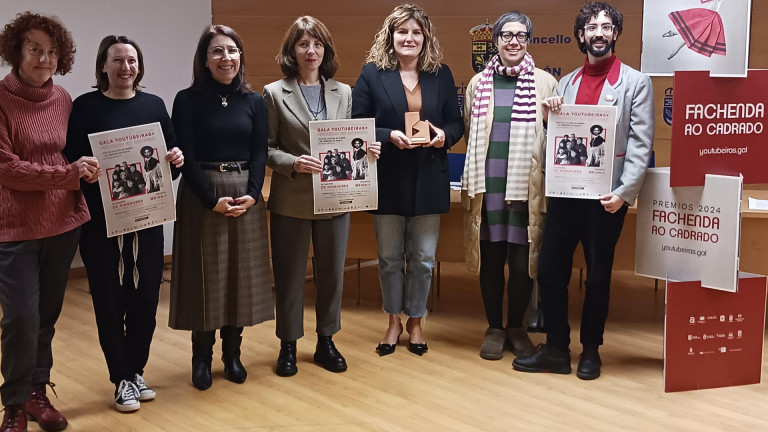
219,53
606,29
521,36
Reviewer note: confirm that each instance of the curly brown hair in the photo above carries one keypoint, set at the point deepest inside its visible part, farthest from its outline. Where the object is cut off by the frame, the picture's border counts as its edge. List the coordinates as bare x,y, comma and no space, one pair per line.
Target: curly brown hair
15,33
382,53
593,9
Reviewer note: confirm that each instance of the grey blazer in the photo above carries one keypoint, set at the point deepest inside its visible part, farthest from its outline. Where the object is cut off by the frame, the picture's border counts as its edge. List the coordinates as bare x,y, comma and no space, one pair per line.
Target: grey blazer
632,93
288,120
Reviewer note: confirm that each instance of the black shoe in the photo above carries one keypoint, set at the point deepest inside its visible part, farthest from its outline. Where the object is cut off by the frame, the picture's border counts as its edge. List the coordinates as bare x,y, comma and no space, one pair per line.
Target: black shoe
546,359
202,353
286,360
328,356
230,349
589,364
385,349
201,374
234,370
418,348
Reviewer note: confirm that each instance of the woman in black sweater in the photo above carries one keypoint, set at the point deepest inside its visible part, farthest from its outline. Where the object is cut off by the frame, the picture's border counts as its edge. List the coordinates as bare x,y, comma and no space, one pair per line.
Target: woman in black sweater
124,272
220,276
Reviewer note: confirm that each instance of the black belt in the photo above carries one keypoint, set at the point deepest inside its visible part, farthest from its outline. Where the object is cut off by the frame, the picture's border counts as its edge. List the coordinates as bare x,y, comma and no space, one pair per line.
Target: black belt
225,166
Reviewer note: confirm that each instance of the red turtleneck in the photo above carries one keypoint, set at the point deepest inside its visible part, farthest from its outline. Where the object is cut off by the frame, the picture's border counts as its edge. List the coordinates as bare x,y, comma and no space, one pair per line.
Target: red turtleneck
592,81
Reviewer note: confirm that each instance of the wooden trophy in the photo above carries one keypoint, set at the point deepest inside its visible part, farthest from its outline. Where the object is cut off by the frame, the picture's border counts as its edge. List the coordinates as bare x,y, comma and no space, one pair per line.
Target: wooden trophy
415,129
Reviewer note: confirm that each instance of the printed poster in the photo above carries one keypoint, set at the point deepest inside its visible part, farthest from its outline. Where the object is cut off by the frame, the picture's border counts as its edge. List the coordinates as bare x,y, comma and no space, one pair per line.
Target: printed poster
347,181
580,144
136,185
719,127
689,35
689,233
714,338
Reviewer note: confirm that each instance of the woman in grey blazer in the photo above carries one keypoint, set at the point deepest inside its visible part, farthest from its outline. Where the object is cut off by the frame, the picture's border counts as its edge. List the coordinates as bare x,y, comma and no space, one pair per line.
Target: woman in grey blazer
308,60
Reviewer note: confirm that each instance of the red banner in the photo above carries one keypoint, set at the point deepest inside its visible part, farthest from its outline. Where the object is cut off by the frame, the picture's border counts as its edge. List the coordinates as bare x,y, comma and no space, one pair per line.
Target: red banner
714,338
719,126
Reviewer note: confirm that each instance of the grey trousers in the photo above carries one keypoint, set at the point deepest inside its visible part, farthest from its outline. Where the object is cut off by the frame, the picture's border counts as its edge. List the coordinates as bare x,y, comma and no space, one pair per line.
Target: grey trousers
290,249
33,276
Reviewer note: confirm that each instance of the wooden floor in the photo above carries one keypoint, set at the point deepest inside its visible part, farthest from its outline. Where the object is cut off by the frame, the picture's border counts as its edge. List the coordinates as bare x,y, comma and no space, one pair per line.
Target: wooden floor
449,389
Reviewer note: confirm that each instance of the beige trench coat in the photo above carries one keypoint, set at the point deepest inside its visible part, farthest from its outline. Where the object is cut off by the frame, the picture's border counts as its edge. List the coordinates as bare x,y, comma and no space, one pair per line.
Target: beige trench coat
545,87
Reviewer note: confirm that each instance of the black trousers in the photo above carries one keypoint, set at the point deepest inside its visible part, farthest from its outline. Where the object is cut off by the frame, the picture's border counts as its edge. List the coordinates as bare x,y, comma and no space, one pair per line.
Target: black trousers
125,310
570,221
33,276
493,257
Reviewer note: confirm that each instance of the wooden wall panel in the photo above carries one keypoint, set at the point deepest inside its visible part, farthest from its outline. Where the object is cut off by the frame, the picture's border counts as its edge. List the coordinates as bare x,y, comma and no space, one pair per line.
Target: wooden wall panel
353,24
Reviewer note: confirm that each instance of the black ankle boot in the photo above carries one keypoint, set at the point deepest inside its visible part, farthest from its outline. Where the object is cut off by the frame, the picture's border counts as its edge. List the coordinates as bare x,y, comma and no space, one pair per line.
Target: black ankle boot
230,354
202,354
589,363
328,356
286,361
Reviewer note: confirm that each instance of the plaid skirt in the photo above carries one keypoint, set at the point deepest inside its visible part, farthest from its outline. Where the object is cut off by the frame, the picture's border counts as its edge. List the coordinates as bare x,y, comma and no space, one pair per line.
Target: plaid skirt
221,274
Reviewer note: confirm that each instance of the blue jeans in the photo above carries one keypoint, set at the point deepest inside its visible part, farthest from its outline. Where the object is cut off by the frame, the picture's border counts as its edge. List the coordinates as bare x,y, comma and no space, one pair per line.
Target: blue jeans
406,259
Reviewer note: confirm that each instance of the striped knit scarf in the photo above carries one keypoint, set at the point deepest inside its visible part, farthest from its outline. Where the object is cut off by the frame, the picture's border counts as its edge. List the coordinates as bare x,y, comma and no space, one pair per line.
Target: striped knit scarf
522,130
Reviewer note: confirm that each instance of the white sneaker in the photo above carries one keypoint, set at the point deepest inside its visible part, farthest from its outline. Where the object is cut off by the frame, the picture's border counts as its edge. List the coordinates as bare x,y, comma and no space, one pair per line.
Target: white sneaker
127,397
146,392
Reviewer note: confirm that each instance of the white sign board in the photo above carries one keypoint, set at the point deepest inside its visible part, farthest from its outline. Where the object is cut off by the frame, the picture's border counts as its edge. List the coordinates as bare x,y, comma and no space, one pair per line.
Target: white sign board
689,233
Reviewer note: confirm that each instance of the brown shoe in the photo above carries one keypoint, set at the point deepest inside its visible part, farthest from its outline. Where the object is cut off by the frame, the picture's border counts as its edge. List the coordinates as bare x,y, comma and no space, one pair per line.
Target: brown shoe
519,342
14,419
39,409
493,344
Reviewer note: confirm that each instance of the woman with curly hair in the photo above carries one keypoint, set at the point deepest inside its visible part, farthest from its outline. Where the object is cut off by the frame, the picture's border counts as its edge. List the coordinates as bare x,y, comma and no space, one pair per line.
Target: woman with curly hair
403,74
41,212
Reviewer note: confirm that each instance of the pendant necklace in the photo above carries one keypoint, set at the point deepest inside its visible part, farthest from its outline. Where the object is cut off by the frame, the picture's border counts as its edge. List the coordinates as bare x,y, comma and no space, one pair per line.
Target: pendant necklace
320,102
223,100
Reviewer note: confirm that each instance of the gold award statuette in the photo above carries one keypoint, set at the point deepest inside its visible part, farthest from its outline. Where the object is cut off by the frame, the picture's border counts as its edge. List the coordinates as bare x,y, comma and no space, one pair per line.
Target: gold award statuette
416,130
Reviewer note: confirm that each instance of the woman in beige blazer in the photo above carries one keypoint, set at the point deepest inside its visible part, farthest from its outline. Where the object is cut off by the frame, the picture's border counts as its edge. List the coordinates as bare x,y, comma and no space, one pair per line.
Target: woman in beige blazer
308,92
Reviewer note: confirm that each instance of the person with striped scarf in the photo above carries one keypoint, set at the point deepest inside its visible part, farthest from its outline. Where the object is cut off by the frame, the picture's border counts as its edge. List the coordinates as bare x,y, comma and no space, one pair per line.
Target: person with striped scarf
503,181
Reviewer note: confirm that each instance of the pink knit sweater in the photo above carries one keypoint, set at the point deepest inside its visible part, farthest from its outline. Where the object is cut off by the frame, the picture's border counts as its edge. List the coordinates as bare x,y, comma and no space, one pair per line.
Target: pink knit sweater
39,190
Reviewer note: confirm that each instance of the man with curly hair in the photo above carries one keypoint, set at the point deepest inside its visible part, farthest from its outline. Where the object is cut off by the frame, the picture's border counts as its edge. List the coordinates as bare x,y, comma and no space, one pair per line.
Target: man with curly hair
597,224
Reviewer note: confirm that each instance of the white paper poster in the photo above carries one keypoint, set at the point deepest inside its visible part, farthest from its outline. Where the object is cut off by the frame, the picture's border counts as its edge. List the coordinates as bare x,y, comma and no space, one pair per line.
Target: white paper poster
580,143
136,185
689,233
347,181
688,35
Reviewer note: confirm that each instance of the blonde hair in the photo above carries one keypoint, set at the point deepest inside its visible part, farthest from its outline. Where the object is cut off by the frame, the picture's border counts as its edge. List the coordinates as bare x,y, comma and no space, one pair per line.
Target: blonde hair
382,53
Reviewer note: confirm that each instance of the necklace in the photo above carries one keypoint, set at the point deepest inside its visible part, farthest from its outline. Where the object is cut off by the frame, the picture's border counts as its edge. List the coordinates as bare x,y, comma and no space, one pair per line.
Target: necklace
223,100
320,106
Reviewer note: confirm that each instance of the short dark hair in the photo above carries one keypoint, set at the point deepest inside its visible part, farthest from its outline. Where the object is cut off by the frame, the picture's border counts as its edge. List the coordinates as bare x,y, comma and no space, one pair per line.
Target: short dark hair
598,127
593,9
511,16
15,33
201,76
102,80
286,58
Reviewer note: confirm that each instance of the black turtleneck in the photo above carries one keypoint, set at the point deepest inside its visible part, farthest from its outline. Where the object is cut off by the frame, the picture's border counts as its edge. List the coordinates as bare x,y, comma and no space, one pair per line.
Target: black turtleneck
210,132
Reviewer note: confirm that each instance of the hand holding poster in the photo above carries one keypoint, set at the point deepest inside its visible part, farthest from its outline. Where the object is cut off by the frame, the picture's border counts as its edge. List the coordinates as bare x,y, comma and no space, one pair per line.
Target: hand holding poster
136,186
580,151
347,181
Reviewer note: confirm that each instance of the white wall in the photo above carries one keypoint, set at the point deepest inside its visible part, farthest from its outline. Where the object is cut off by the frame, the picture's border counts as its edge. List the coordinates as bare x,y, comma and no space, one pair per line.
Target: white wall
166,30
